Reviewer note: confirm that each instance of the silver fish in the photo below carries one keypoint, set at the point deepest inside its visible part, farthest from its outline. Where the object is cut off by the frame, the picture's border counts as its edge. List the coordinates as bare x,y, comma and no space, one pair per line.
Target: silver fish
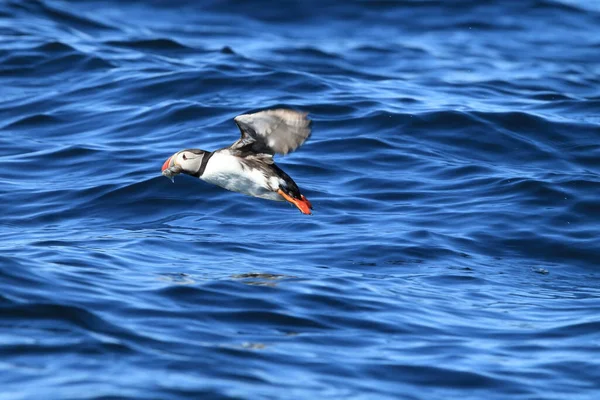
172,172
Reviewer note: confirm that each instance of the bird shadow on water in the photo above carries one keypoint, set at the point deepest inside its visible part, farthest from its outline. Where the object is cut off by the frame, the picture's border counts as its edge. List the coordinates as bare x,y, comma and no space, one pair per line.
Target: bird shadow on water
248,278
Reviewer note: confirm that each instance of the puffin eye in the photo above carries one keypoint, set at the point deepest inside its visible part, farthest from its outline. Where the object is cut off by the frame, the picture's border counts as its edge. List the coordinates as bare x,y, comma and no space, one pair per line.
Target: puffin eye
184,157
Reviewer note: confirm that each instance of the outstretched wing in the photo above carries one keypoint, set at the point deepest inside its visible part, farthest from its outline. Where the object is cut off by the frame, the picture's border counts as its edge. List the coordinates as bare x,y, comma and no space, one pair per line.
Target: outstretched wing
272,131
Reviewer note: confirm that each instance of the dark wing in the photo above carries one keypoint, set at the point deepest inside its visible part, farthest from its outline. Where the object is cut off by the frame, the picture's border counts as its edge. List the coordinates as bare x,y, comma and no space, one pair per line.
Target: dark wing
272,131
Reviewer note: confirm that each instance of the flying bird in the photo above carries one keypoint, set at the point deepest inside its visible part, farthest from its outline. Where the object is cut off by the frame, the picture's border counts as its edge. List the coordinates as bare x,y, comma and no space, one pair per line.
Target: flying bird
247,165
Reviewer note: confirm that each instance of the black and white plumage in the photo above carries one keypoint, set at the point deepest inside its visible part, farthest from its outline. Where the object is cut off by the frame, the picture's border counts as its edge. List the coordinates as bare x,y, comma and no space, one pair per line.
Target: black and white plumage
247,166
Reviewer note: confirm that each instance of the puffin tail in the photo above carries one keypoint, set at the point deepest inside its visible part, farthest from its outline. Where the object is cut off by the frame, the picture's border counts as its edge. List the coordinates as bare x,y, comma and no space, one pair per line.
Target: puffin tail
302,203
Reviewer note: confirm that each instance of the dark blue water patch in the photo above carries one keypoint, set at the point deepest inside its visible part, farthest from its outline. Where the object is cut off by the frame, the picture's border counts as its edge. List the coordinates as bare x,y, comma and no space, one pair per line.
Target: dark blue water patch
54,47
43,120
149,44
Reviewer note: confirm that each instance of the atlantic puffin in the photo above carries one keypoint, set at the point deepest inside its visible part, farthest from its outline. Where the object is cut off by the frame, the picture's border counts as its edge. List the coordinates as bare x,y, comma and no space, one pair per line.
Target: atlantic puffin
247,165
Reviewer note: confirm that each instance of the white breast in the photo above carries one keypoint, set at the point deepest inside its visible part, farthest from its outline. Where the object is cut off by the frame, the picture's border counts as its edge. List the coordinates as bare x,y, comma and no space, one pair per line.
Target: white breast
226,171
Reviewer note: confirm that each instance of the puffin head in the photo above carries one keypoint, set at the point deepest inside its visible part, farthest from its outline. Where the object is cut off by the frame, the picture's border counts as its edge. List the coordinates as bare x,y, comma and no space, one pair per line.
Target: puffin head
184,161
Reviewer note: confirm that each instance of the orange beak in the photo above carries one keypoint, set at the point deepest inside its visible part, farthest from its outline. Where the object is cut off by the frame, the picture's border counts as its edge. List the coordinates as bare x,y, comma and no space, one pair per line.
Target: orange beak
303,204
166,164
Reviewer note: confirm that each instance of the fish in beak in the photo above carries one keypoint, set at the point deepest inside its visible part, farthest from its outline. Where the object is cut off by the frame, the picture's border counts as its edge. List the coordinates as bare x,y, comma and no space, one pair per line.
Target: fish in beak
170,169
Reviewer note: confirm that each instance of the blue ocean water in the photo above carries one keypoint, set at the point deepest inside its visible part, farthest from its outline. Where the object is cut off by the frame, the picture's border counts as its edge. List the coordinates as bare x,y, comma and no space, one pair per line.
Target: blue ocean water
454,169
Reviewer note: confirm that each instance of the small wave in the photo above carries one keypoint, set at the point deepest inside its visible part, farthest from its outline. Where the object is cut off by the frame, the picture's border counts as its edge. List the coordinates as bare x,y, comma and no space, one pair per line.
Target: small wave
35,120
43,10
307,52
158,44
59,64
65,314
437,376
55,47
